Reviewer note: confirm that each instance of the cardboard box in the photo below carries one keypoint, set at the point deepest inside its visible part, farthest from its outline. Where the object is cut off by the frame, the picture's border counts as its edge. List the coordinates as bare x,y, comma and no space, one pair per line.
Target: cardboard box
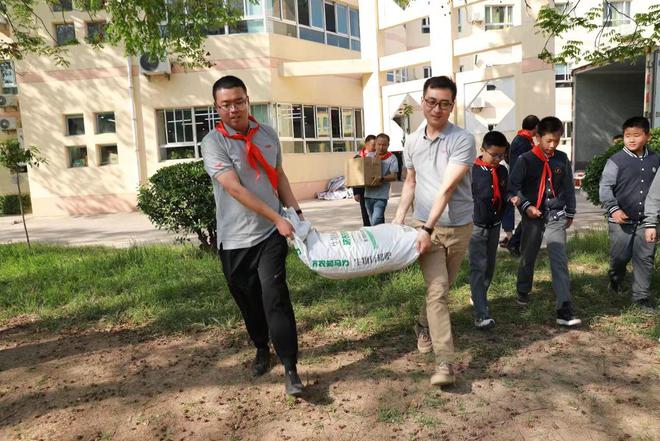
361,172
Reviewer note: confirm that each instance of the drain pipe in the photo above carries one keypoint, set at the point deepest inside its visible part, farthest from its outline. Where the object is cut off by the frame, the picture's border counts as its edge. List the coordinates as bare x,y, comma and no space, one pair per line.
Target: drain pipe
131,97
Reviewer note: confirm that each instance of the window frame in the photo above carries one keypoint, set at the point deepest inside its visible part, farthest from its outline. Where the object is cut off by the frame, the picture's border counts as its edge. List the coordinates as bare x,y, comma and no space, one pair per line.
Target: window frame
623,17
96,121
491,25
69,148
74,40
99,154
67,117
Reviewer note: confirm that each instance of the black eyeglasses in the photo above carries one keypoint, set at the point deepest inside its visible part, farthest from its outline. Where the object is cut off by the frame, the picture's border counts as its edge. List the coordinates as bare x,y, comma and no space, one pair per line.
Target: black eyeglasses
496,155
432,103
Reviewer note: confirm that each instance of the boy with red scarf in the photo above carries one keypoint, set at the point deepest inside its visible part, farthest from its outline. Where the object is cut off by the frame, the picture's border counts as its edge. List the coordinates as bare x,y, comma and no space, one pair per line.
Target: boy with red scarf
542,183
521,143
489,192
244,160
375,197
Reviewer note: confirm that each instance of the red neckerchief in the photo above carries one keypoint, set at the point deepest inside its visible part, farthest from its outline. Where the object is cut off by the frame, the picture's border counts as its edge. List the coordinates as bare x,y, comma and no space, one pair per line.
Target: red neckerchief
527,135
547,174
254,154
362,153
497,196
385,156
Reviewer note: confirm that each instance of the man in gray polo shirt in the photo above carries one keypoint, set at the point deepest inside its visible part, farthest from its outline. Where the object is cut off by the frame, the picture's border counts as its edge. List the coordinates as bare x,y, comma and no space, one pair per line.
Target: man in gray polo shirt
244,160
439,157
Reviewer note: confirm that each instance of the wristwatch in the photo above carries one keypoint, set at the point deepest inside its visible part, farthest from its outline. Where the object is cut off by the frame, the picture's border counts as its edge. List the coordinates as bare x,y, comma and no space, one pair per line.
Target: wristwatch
298,211
428,230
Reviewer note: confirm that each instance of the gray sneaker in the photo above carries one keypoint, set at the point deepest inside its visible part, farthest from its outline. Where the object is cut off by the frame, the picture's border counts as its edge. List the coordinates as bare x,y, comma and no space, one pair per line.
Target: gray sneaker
424,343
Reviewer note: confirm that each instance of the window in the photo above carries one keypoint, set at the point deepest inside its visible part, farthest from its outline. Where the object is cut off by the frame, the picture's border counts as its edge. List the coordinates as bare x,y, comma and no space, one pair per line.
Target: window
347,122
460,19
176,135
77,156
260,113
426,25
289,10
355,23
563,76
397,75
303,12
427,72
65,34
616,13
62,5
335,121
205,120
568,132
316,7
330,24
95,32
499,17
322,122
108,154
254,8
105,122
75,125
316,129
359,133
342,19
309,122
247,27
8,74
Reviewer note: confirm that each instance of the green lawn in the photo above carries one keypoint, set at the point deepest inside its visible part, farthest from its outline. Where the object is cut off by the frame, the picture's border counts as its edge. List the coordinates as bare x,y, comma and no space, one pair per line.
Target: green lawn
173,288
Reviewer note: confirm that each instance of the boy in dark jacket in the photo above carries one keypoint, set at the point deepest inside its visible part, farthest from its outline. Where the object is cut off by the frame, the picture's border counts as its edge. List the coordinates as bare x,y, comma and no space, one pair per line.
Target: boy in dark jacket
489,192
541,184
624,186
521,143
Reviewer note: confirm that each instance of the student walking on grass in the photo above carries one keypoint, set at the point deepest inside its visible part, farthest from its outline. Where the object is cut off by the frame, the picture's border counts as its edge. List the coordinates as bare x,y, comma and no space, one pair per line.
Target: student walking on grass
244,160
624,187
439,157
376,197
489,191
541,184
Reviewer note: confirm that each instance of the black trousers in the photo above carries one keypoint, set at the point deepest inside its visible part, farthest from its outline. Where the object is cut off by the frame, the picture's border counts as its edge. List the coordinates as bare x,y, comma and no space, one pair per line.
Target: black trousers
359,191
257,280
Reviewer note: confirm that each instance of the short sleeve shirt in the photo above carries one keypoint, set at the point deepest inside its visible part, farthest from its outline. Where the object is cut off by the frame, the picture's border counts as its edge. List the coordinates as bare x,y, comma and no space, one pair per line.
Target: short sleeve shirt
238,226
387,167
429,158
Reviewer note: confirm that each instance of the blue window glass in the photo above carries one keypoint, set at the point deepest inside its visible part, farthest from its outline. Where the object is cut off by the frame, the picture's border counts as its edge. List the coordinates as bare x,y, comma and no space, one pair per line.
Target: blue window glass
317,13
308,34
342,19
355,23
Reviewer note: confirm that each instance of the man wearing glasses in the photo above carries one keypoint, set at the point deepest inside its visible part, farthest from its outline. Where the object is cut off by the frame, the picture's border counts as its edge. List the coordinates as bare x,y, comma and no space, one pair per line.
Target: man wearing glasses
244,160
439,157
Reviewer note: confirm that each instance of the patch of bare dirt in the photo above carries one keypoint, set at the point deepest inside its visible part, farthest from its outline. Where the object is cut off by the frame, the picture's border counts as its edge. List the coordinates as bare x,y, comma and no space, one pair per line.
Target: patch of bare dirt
128,384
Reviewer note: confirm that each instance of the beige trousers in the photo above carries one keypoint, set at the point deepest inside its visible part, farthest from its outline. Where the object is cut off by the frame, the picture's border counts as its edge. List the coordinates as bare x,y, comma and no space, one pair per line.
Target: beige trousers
440,266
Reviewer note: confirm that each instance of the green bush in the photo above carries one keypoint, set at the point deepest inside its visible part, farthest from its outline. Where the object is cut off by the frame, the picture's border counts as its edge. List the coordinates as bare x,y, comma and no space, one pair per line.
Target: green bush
595,167
9,204
179,198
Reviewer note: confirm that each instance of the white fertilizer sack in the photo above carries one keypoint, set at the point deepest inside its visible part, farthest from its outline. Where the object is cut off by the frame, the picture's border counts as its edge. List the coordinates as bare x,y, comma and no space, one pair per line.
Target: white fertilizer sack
351,254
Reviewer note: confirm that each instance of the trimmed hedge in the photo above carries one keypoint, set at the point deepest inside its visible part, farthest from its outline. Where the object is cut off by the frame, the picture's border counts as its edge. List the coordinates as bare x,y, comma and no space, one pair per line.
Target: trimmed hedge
596,166
179,198
9,204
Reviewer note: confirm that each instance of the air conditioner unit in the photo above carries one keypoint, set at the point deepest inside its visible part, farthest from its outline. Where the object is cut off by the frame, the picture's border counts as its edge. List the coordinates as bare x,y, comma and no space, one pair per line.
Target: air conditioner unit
8,101
8,123
477,16
150,65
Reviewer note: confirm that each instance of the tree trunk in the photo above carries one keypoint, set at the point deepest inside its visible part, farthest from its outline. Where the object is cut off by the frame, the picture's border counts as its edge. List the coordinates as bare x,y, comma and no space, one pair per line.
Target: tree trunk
20,204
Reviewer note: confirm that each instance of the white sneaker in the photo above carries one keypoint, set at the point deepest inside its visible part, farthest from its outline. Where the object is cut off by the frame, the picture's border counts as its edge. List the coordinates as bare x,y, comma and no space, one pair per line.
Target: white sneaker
486,323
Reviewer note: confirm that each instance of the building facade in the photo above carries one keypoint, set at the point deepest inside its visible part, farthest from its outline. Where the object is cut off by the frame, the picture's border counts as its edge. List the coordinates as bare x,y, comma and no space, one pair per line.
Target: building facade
105,123
324,73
